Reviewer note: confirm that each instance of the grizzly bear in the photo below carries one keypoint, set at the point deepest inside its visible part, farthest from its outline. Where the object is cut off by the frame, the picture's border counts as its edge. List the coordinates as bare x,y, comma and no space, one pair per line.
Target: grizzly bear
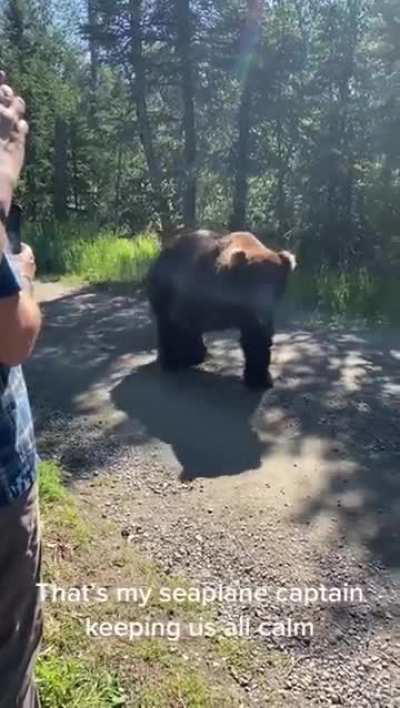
207,281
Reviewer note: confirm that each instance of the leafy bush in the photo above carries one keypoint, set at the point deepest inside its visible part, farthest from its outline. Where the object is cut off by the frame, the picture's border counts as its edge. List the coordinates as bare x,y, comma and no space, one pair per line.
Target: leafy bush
80,249
355,293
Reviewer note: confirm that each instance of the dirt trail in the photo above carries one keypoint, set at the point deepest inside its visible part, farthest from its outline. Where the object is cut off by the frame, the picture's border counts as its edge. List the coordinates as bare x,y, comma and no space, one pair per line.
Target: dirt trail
299,486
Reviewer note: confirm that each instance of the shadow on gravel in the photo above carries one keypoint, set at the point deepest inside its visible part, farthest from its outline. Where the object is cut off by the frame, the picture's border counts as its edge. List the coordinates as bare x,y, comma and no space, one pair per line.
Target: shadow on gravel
84,333
343,389
205,417
84,336
339,388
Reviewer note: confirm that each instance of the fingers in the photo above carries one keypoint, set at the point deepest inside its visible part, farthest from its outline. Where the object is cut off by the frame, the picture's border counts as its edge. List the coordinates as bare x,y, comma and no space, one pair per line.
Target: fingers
9,99
19,105
11,125
12,111
23,127
6,95
27,251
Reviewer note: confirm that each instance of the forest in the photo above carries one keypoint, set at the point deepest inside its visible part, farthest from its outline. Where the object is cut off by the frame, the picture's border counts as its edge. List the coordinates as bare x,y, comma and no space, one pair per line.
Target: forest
280,117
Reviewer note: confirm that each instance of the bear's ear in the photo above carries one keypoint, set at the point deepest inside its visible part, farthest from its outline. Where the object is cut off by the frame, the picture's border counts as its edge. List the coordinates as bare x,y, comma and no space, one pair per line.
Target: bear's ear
231,258
237,257
289,259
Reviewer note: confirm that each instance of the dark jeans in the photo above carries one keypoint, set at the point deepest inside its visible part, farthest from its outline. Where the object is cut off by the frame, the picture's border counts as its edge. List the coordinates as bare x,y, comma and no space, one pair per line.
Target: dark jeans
20,609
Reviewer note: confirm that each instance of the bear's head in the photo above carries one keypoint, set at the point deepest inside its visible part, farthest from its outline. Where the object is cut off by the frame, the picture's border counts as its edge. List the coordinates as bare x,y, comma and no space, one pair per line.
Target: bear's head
259,273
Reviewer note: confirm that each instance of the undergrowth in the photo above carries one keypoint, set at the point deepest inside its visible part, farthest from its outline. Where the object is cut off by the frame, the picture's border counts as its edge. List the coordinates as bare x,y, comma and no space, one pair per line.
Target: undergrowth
93,256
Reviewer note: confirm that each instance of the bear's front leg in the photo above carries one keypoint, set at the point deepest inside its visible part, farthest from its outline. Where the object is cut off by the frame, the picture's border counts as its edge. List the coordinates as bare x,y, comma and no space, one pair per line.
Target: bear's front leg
192,348
256,341
179,347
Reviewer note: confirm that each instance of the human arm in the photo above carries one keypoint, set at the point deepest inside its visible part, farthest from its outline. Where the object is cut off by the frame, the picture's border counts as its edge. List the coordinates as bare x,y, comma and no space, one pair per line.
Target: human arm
19,314
20,318
13,132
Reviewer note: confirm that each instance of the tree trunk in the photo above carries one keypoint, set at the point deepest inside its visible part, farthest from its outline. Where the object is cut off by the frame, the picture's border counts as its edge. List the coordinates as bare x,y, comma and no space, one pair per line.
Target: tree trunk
94,59
249,41
143,117
74,162
281,195
282,159
60,169
118,187
183,49
238,218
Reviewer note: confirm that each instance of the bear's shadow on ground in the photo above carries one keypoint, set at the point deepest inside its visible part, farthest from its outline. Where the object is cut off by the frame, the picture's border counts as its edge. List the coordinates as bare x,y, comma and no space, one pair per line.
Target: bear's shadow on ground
205,418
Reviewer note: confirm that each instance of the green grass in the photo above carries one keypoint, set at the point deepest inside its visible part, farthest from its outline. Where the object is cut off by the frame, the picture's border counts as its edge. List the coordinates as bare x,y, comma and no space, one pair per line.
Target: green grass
51,485
109,259
95,256
186,688
77,684
235,652
57,505
348,295
78,671
63,678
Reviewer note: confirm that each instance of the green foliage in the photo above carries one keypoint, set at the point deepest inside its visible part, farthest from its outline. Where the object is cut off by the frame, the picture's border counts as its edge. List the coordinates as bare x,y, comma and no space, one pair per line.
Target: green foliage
80,249
66,681
353,294
181,688
64,678
108,259
57,504
51,486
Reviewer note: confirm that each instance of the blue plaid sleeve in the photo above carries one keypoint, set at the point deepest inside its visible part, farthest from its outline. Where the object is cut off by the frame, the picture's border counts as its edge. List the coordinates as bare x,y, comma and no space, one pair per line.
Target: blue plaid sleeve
18,456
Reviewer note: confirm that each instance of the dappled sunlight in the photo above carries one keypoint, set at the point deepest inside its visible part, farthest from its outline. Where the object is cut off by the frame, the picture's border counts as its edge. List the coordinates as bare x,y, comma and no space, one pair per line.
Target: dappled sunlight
328,433
355,370
98,395
390,389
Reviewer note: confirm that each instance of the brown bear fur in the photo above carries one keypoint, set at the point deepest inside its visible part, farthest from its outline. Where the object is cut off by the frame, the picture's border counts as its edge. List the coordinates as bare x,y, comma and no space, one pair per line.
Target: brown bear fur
206,281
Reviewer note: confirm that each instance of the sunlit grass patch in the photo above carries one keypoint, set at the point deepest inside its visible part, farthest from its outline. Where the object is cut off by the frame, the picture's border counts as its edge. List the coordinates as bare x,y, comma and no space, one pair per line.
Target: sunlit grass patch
76,683
108,259
81,250
51,486
60,517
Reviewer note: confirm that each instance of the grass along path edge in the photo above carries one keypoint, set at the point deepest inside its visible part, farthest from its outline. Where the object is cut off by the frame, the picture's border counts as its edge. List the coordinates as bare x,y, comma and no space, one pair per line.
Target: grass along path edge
79,671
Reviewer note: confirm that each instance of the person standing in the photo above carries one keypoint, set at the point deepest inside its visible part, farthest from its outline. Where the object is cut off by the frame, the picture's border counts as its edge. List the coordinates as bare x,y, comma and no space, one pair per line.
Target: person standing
20,321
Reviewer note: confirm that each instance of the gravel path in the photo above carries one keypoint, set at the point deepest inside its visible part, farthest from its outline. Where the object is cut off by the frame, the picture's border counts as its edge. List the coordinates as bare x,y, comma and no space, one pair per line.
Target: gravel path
295,489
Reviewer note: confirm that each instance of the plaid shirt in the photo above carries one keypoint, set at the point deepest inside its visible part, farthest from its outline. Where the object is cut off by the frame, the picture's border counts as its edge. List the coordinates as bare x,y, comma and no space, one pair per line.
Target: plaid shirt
18,457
